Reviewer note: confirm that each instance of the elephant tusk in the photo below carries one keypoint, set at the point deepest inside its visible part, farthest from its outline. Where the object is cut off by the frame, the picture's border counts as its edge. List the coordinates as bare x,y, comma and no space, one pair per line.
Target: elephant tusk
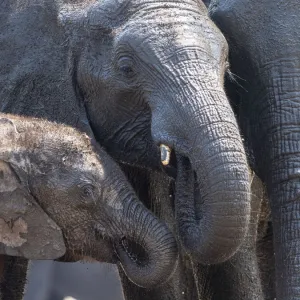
165,154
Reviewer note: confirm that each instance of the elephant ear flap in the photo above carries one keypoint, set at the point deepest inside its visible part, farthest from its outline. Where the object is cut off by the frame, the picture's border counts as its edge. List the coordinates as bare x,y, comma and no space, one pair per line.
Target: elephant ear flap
26,230
10,153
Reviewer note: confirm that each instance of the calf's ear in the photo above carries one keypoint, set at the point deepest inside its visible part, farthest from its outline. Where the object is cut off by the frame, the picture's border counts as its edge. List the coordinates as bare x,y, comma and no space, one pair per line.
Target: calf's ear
10,152
25,229
8,138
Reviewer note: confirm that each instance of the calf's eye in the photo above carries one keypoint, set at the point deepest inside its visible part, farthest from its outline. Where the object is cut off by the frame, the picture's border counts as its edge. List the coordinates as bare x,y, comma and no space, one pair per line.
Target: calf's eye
87,191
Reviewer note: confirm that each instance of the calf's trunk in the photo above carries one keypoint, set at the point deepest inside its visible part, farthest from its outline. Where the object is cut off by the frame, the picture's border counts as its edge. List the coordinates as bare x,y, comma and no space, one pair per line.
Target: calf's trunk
147,250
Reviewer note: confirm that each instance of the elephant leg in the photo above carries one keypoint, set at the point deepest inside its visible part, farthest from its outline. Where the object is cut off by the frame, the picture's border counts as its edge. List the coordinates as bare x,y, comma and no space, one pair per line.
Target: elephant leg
154,190
13,277
238,278
266,258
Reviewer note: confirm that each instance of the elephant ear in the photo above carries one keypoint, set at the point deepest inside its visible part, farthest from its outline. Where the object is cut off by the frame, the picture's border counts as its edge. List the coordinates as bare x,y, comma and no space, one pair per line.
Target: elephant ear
37,65
8,137
10,152
25,229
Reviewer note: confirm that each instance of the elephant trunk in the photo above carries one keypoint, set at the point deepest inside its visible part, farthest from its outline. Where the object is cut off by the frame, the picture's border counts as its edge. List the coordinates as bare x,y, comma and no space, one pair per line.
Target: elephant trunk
277,149
212,197
147,249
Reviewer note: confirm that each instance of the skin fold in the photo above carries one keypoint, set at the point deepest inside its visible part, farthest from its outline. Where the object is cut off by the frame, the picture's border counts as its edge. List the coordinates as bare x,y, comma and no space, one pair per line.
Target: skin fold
264,39
80,187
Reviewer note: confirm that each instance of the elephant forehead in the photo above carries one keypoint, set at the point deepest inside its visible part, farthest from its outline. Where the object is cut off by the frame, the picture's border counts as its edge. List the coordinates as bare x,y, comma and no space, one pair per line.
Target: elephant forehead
90,165
164,40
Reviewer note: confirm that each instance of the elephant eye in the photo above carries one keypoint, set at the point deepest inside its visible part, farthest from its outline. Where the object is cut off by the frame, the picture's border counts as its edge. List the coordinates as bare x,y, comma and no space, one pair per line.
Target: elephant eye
88,191
125,65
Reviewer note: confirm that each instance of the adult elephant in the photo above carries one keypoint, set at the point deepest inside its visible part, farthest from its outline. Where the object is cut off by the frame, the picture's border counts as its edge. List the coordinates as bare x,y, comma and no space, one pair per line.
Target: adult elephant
152,75
264,38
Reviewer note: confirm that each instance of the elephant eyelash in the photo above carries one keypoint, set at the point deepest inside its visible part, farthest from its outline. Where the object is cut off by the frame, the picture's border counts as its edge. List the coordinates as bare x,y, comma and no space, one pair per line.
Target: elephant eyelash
227,66
87,191
233,78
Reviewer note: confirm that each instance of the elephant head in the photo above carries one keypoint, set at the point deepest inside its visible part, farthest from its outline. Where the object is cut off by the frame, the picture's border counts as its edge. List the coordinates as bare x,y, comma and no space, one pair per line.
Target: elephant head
81,188
151,75
264,39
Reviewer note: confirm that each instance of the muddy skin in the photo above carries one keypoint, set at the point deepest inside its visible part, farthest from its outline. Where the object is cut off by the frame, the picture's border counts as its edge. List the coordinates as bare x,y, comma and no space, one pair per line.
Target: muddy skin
80,187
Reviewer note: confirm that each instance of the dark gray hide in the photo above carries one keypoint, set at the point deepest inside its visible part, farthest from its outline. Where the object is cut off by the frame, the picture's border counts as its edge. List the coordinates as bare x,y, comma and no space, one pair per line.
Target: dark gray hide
264,39
238,278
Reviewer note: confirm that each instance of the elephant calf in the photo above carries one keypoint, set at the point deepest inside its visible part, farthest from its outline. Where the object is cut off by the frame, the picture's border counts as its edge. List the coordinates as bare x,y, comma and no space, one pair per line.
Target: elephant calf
80,187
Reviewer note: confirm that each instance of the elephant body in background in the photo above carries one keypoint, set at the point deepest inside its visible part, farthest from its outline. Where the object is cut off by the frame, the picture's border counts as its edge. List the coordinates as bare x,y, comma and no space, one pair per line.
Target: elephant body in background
264,41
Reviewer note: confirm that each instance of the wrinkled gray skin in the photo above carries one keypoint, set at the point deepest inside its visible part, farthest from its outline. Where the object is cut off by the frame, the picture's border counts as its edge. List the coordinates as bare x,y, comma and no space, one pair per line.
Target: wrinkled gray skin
26,230
238,278
264,38
143,83
154,73
153,189
88,197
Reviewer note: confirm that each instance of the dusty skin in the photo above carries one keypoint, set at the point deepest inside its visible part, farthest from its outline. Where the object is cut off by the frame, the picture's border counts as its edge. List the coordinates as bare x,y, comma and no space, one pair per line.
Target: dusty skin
82,189
25,229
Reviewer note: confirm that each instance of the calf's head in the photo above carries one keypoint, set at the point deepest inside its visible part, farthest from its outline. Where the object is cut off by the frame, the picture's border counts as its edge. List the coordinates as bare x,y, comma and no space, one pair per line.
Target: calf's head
80,187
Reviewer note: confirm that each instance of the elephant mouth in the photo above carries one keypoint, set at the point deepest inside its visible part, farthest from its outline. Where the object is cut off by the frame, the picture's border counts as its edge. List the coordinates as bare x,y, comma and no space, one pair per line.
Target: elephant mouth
124,246
171,171
134,251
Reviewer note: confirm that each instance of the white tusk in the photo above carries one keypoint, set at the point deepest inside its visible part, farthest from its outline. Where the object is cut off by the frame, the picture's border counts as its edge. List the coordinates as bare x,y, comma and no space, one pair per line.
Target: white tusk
165,154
